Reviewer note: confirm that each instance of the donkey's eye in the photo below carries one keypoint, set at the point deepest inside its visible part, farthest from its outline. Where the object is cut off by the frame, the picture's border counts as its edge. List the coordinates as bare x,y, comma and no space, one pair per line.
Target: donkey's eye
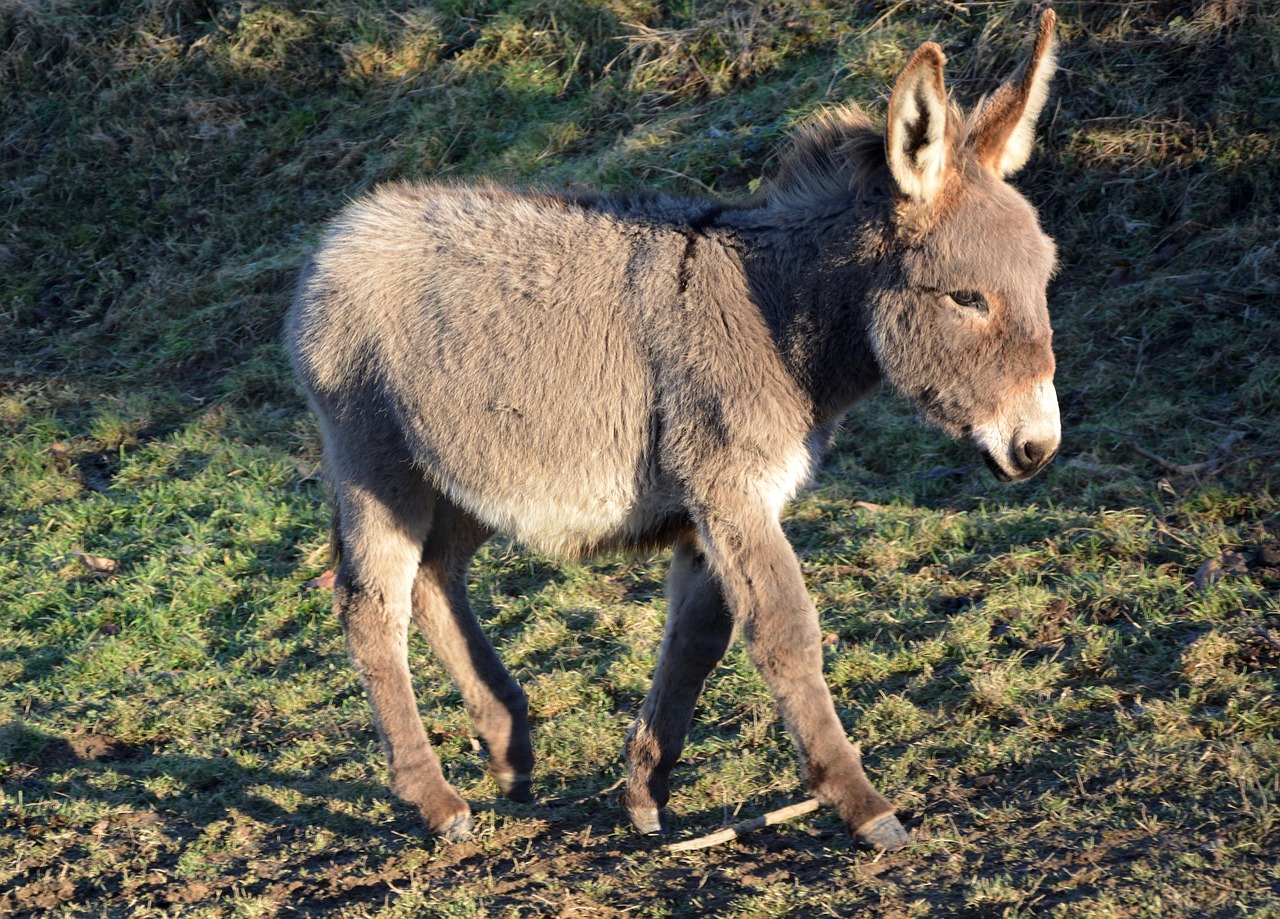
970,299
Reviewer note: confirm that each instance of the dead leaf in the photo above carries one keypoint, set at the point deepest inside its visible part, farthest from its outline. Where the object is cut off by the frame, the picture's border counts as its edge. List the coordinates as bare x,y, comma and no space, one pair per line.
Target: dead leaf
324,582
1208,574
97,563
1234,563
868,506
308,472
1122,275
1166,254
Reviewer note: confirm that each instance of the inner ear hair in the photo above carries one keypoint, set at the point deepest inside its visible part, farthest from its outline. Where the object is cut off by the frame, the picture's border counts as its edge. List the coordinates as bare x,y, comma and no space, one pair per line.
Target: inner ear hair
916,144
1003,129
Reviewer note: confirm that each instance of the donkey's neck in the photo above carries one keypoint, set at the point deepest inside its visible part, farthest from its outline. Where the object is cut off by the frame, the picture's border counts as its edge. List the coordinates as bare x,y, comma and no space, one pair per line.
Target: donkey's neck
810,278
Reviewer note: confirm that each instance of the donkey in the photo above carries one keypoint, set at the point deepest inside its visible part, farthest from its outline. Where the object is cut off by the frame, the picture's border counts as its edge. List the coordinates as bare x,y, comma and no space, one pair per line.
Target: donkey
590,372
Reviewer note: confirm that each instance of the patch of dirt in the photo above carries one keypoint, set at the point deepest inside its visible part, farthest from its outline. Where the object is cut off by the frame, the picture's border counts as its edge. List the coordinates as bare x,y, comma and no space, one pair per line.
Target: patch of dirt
43,751
38,896
95,747
1260,651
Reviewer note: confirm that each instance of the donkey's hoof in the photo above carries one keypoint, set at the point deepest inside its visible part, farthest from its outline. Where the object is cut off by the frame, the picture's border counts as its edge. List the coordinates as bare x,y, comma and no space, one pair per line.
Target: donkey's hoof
648,821
518,786
885,833
457,829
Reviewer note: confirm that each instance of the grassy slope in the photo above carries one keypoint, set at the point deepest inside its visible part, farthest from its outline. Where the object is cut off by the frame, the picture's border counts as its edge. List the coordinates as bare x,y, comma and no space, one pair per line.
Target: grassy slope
1072,725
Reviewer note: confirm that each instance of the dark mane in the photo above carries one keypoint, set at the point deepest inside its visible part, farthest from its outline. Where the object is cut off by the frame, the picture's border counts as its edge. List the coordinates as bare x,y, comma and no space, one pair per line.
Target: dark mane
839,152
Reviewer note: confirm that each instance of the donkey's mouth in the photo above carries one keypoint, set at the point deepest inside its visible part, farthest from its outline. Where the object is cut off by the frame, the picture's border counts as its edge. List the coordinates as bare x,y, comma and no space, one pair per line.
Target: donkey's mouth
1003,475
996,470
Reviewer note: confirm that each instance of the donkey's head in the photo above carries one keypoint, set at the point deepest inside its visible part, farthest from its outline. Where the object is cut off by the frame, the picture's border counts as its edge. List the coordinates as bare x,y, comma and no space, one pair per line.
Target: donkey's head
960,324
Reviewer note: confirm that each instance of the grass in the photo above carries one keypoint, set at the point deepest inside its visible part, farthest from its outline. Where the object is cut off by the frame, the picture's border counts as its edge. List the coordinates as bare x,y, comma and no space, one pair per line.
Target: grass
1069,688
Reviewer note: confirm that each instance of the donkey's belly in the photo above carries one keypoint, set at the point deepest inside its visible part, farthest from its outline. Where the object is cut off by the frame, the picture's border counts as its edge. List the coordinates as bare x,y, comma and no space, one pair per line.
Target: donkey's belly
563,478
561,524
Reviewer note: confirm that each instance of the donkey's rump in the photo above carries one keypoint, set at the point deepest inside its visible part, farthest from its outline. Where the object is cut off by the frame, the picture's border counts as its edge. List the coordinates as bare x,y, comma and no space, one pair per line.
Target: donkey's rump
502,337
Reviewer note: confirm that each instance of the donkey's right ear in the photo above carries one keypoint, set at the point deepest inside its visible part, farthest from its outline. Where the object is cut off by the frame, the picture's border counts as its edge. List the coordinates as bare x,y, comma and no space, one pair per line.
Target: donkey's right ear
916,142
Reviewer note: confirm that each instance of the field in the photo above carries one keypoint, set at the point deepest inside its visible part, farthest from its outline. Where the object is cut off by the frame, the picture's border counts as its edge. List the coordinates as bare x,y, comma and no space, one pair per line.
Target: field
1069,687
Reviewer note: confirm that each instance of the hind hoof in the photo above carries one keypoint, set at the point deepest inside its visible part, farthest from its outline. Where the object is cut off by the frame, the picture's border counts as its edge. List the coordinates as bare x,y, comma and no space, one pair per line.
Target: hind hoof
884,833
648,821
457,829
517,786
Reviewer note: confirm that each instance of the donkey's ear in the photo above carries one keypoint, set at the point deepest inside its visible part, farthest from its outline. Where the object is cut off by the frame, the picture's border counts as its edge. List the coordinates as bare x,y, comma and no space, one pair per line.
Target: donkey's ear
1004,128
916,140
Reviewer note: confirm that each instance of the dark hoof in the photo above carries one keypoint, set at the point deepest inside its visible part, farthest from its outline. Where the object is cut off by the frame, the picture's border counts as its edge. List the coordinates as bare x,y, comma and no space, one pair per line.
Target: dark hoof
457,829
517,786
648,821
884,833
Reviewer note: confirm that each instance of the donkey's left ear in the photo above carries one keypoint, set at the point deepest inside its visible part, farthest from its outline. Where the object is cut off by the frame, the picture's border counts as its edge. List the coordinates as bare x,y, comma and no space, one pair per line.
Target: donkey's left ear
1003,128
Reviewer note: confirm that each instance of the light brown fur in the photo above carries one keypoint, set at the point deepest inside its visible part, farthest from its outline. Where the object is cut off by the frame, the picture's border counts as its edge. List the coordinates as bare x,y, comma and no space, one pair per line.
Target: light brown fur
587,372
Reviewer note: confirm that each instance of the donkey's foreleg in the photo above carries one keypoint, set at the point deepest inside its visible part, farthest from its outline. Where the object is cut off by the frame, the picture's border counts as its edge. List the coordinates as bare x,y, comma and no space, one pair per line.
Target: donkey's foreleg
382,546
495,701
698,630
779,623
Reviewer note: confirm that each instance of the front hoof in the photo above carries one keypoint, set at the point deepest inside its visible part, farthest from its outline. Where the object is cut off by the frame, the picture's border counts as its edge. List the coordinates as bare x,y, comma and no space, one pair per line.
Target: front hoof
457,829
517,786
648,821
884,833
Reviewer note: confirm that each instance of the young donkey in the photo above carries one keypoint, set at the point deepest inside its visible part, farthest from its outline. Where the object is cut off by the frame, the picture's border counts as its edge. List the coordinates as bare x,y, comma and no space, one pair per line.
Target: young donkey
590,372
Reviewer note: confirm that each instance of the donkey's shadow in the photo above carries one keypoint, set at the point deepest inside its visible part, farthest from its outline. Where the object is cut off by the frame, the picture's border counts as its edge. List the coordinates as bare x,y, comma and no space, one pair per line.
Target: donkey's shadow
219,794
208,789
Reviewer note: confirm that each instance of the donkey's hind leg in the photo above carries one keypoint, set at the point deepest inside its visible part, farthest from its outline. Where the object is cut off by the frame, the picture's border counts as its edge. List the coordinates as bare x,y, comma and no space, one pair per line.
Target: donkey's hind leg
494,700
384,515
699,628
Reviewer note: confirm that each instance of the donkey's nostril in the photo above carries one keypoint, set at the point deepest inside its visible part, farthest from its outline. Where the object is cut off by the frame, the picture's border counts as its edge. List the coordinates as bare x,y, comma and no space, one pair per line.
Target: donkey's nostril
1033,455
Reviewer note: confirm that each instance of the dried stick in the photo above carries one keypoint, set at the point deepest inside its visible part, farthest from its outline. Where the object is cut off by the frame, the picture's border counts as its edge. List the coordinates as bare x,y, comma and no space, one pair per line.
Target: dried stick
1169,466
790,812
1210,467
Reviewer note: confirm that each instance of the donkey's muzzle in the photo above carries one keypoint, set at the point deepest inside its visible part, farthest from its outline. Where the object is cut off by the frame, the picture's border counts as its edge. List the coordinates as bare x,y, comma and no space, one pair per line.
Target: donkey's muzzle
1026,459
1030,456
1026,440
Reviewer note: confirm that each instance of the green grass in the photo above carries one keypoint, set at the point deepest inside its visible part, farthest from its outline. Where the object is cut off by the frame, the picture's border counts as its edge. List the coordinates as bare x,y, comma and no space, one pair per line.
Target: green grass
1070,688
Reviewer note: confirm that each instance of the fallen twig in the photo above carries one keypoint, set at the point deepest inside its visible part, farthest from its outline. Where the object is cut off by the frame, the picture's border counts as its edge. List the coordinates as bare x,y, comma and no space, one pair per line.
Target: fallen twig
566,801
1169,465
602,793
790,812
1211,467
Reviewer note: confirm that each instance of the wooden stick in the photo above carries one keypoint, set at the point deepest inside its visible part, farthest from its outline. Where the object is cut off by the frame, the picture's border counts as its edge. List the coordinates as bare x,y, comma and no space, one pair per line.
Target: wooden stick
1169,466
790,812
1209,467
